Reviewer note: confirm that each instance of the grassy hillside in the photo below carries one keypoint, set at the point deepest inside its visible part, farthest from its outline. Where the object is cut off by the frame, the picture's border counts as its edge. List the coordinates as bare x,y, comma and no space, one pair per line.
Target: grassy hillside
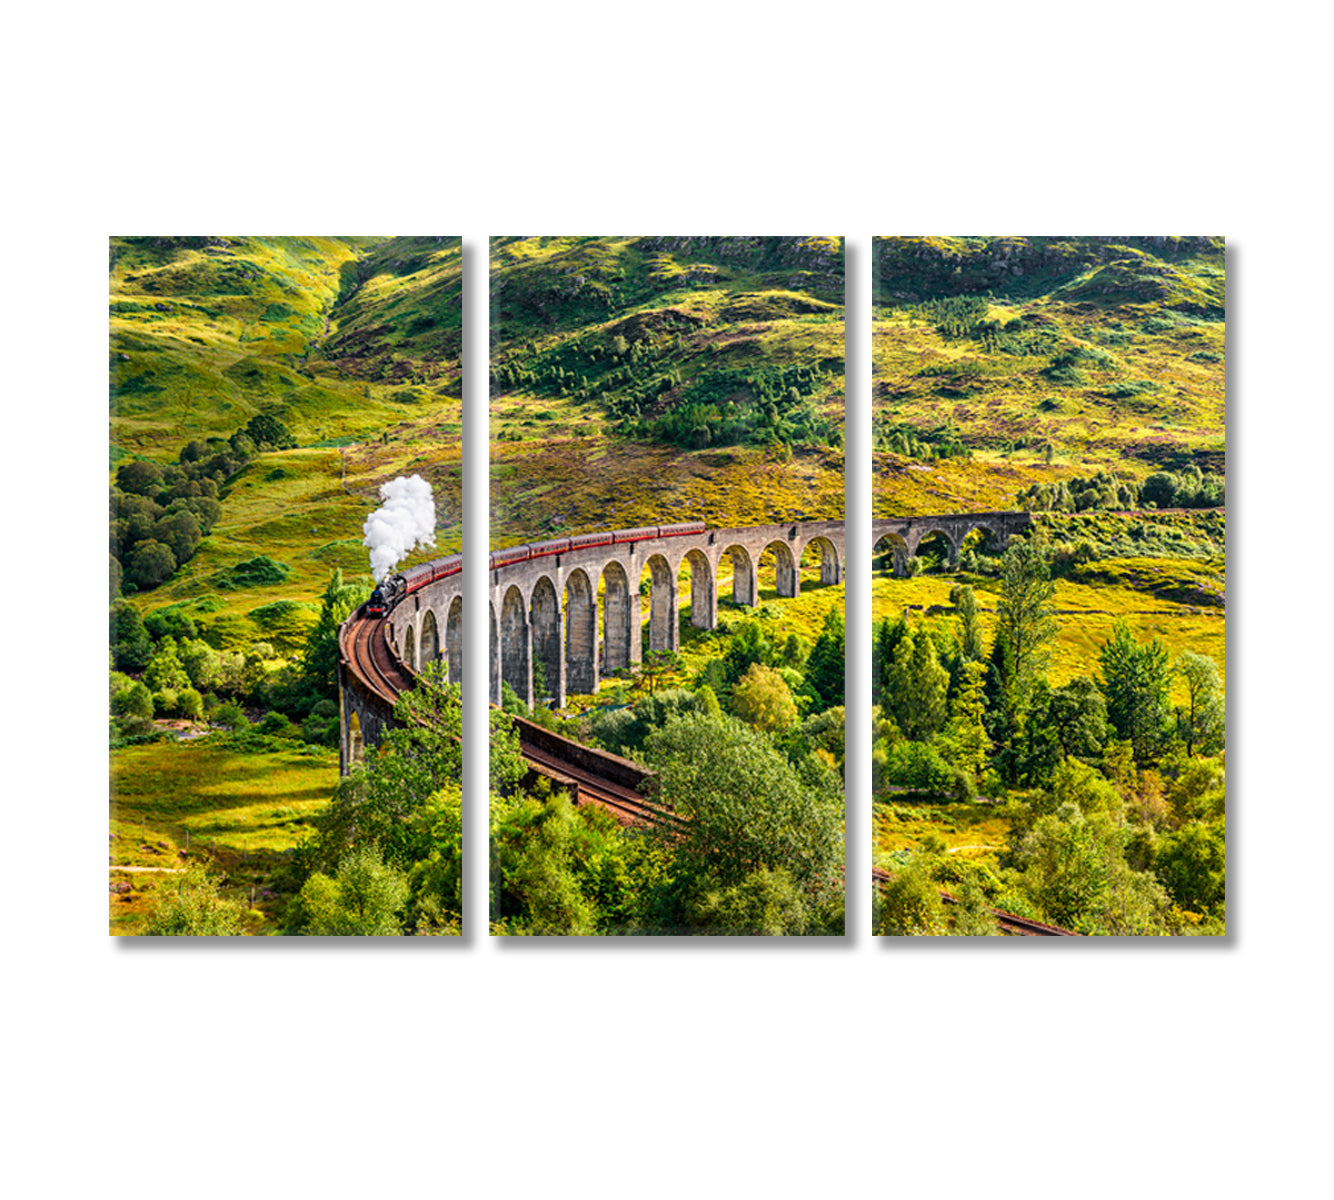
1043,358
354,344
640,378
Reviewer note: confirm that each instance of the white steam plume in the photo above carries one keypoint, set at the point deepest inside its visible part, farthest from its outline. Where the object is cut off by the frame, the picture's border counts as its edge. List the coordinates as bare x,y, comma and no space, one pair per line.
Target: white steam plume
403,522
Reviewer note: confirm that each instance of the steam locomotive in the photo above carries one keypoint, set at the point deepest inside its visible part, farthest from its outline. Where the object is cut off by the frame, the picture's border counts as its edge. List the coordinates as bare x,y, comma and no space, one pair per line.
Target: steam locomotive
390,591
396,587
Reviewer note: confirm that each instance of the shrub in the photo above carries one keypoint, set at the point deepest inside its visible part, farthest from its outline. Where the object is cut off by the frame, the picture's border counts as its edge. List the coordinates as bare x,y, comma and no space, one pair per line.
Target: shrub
194,909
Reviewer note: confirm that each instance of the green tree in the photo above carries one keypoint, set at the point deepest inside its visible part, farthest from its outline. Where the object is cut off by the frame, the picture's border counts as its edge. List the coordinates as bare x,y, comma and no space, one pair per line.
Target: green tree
1025,618
1076,873
150,564
764,904
908,904
967,730
180,533
319,661
744,805
763,701
658,663
1201,724
970,628
200,662
363,898
131,646
706,701
266,430
1136,679
136,701
919,686
1077,716
1192,863
164,670
825,666
536,880
194,908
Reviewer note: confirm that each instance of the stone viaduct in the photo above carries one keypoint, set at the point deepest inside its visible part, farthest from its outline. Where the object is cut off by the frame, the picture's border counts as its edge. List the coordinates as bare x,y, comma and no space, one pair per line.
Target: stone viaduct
579,613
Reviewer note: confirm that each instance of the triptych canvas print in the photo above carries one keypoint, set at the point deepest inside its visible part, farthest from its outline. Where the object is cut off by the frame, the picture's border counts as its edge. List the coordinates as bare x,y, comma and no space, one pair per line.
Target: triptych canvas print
664,642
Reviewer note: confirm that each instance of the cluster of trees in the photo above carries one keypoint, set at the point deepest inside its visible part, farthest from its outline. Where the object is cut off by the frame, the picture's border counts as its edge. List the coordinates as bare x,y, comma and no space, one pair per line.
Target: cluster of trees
164,666
1103,490
968,316
1101,771
909,441
386,857
749,759
159,514
1189,488
717,407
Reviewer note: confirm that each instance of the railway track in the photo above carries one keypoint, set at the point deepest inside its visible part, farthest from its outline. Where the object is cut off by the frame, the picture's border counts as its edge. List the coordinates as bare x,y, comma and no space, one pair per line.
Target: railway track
625,804
1010,923
365,646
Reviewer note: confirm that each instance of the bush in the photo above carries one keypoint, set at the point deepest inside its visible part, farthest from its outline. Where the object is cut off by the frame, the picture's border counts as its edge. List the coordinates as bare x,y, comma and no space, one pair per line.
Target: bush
919,767
363,899
195,909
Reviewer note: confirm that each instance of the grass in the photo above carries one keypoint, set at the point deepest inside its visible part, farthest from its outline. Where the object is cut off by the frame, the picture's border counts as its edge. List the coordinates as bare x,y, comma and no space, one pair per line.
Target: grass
1086,614
239,810
353,343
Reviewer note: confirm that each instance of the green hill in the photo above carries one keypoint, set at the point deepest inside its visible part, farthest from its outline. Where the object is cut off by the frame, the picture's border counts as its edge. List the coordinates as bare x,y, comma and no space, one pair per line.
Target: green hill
352,344
632,378
1043,358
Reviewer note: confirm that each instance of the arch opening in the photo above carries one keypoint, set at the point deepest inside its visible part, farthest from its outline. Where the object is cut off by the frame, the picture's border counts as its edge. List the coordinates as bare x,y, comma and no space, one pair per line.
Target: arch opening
936,552
777,564
581,634
889,556
819,563
981,542
662,632
620,620
703,593
515,646
454,639
430,640
548,662
737,565
410,648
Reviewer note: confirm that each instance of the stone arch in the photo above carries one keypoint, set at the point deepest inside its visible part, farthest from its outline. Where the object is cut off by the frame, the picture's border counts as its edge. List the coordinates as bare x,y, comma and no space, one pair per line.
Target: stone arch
663,627
410,648
745,584
356,744
581,633
825,557
545,622
983,538
454,639
703,590
516,645
893,545
787,582
936,533
620,619
429,645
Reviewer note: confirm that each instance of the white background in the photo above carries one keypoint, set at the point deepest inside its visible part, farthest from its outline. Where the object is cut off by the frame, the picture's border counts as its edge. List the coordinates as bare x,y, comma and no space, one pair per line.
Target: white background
1027,1068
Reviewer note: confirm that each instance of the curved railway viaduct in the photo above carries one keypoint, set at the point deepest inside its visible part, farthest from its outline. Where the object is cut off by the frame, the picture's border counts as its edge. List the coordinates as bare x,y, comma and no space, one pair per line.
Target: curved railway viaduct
579,613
